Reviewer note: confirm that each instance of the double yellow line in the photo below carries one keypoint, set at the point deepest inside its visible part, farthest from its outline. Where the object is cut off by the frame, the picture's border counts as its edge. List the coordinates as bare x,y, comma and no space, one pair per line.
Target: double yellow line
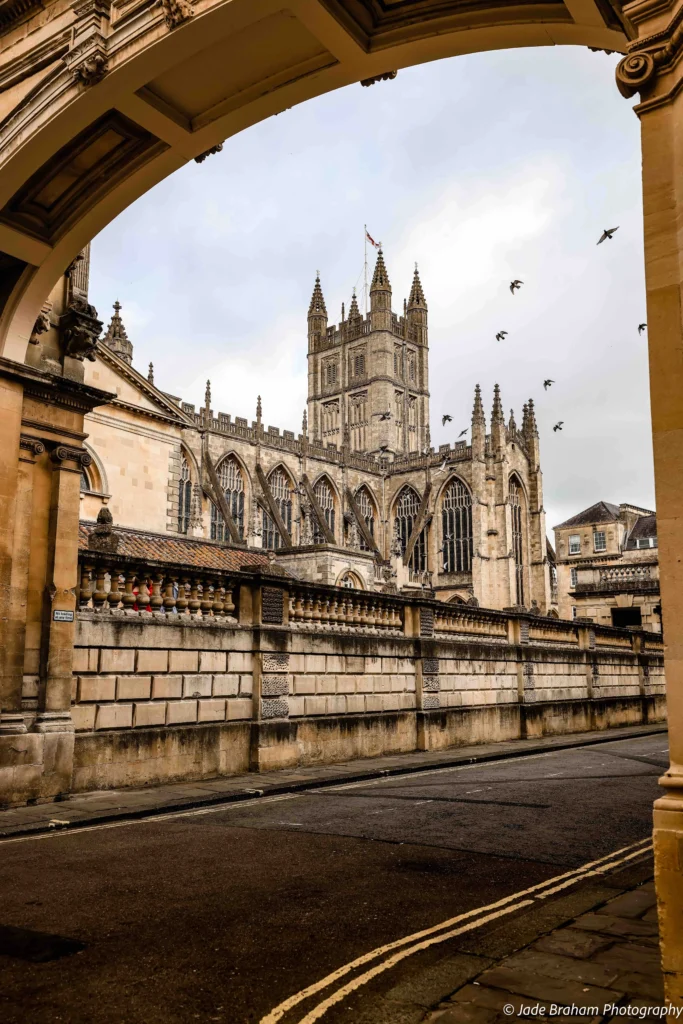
391,954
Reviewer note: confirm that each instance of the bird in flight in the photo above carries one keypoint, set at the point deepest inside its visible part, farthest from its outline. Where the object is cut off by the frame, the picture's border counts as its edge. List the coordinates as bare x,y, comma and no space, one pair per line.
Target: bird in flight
501,335
515,286
641,328
384,448
445,419
558,425
547,383
463,432
383,415
443,465
607,233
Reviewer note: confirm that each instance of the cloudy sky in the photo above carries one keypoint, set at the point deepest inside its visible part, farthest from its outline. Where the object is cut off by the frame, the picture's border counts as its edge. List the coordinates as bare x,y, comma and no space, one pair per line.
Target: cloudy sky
481,168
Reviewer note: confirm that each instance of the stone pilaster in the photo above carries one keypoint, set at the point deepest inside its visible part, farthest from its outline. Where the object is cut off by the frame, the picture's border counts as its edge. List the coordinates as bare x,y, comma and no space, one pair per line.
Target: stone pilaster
654,67
12,613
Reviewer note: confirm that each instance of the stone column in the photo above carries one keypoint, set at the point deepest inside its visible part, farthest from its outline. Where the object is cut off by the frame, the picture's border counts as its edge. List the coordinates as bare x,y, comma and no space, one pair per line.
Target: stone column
59,601
11,717
654,68
12,616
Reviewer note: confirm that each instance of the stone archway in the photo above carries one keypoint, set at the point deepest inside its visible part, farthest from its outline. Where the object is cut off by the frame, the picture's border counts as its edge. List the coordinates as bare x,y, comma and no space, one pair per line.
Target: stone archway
102,99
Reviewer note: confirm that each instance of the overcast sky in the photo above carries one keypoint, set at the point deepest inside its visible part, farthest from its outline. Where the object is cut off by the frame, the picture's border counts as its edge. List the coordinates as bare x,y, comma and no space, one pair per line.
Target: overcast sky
482,169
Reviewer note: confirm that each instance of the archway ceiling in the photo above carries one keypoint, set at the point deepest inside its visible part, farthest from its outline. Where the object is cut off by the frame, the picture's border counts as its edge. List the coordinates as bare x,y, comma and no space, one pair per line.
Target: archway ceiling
180,76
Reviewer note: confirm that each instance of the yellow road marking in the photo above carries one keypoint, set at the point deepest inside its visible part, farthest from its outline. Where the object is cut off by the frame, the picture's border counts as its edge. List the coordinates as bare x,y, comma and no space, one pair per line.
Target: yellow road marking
568,878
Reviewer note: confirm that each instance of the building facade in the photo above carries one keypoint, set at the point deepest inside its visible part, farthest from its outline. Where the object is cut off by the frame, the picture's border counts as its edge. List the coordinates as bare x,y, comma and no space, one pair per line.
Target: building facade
608,566
358,497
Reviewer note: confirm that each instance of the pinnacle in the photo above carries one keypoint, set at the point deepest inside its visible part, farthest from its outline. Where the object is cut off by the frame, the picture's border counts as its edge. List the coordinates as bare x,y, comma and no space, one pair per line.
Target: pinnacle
380,278
478,411
354,311
317,306
497,412
417,295
116,338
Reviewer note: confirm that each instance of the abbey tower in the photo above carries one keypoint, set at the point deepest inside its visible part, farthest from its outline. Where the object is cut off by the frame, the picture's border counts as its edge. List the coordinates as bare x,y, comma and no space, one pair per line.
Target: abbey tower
366,367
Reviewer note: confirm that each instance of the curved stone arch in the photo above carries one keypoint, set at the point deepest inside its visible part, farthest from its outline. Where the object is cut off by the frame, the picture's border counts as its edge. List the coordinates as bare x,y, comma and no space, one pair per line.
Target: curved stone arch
336,523
144,87
324,475
520,543
286,470
349,574
438,497
397,496
96,473
378,524
271,537
195,471
455,529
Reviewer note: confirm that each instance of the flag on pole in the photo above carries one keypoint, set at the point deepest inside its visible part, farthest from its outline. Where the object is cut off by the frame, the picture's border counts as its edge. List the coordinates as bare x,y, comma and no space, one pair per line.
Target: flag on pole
370,239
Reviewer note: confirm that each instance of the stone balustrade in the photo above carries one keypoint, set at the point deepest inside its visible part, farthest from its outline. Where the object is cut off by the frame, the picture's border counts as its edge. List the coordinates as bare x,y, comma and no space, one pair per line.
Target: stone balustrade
345,610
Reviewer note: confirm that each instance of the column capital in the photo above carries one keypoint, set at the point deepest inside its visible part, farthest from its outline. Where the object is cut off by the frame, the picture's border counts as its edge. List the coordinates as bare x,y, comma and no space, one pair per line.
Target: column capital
32,445
63,453
652,55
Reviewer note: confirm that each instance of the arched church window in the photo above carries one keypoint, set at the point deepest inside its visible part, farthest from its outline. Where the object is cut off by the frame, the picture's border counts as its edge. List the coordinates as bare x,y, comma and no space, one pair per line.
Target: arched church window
407,508
325,498
232,485
184,496
85,482
281,489
456,522
367,510
516,500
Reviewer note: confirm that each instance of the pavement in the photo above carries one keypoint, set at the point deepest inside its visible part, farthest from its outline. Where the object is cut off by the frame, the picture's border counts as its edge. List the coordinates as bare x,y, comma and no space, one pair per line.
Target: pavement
381,900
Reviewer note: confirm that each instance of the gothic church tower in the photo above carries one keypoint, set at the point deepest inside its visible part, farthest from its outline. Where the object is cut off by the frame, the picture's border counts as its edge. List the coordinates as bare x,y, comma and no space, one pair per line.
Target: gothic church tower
367,367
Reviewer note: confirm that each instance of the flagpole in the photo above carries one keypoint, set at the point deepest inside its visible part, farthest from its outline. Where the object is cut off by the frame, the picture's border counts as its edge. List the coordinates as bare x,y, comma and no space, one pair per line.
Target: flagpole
365,268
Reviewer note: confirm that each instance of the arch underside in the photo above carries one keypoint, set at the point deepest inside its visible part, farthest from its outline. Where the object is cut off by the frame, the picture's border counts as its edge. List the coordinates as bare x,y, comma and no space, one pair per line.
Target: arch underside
73,155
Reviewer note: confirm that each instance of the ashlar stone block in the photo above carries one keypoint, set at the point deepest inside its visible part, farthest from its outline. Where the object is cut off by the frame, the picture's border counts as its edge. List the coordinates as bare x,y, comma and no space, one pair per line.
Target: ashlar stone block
83,716
96,688
211,710
183,661
152,661
226,685
179,712
197,685
167,686
239,708
117,660
133,687
114,716
213,661
149,714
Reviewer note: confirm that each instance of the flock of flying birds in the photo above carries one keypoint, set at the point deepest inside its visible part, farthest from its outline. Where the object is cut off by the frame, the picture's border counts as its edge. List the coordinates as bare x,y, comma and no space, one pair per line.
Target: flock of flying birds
515,285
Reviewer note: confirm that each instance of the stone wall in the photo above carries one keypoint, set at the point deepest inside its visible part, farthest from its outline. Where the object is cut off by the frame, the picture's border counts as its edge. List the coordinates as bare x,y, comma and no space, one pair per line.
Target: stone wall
160,697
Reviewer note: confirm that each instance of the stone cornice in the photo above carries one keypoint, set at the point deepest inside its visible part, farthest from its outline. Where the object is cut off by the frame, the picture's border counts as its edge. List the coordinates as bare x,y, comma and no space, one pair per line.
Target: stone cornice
54,390
172,412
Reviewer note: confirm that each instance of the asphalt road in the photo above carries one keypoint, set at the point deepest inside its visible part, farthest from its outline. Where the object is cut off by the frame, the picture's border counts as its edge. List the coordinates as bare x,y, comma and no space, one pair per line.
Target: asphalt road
220,914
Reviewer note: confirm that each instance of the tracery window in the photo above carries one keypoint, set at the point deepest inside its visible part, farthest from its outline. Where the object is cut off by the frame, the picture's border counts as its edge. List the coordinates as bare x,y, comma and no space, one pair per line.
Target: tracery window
184,496
515,495
456,522
325,498
358,421
367,510
281,490
407,507
232,485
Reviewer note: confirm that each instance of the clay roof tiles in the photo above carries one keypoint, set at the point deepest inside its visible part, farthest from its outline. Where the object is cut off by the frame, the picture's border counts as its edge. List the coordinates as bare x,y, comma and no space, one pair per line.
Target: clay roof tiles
155,547
601,512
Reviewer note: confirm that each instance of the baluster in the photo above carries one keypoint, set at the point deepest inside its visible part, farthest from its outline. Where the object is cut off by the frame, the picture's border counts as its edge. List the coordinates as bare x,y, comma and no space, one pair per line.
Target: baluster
363,611
99,594
128,597
218,599
114,596
228,603
299,606
169,594
315,612
143,594
334,612
372,617
207,598
194,603
356,617
308,609
85,589
156,600
182,599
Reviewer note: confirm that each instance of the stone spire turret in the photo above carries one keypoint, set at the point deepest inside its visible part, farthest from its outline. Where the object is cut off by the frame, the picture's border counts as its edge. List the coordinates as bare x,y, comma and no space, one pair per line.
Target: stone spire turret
512,426
533,427
317,315
259,412
354,311
380,296
116,338
207,401
416,311
150,373
525,418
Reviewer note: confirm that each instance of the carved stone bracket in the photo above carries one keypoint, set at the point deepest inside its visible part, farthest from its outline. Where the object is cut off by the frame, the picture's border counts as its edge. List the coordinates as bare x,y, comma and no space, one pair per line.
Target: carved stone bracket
176,12
386,76
208,152
648,56
87,57
41,325
80,329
